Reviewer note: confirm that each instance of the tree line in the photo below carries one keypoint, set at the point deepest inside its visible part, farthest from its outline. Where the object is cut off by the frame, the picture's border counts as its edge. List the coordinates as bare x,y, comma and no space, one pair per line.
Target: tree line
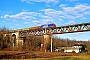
33,43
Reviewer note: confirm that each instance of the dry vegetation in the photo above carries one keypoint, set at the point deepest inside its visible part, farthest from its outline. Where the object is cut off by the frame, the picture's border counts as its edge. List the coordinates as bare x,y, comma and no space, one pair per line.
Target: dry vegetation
33,43
43,56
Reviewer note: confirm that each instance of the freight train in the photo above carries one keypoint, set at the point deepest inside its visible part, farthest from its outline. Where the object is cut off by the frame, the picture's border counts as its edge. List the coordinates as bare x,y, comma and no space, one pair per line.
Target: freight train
43,26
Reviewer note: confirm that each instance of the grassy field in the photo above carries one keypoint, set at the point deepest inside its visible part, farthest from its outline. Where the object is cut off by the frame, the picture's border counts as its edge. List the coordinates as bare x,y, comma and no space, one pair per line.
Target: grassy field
64,58
59,58
80,57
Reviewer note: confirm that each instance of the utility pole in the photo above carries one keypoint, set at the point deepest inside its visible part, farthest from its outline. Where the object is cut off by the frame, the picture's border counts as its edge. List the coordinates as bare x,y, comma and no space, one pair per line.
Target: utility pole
51,43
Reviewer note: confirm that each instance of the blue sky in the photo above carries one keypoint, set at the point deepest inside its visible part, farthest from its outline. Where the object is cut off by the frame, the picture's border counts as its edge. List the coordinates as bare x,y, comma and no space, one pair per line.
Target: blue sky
16,14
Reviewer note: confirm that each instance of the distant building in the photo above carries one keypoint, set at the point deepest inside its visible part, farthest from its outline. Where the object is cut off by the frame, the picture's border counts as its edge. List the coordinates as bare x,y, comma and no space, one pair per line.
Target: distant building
76,49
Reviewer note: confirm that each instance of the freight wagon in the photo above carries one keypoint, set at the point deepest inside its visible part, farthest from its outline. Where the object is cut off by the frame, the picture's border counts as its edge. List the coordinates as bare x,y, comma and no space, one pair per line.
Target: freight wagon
34,28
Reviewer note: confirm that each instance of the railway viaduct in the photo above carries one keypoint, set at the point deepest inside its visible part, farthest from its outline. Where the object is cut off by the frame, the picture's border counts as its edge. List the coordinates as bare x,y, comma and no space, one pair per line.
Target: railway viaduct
19,34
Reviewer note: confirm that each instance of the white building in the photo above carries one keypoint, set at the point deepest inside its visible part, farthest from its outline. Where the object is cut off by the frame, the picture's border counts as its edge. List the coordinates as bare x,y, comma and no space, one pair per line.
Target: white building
76,49
71,49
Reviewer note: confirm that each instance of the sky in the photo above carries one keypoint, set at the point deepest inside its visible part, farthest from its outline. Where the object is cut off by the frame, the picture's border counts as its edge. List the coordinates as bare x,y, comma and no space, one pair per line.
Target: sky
17,14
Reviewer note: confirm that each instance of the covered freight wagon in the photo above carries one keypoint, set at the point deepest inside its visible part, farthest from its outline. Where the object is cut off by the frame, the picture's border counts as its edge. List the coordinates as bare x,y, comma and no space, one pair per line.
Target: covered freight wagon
34,28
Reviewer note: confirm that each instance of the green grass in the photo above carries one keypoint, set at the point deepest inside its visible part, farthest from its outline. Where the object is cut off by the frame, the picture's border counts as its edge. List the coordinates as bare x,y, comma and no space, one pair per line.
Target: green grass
81,57
64,58
61,58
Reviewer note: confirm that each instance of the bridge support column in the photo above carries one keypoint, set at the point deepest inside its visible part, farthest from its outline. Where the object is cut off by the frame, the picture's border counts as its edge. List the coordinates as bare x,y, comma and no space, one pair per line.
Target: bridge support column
19,44
19,41
46,42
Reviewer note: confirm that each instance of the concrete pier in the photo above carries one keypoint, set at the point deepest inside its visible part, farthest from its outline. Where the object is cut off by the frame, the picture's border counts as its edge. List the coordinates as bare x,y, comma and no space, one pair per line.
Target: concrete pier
46,42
